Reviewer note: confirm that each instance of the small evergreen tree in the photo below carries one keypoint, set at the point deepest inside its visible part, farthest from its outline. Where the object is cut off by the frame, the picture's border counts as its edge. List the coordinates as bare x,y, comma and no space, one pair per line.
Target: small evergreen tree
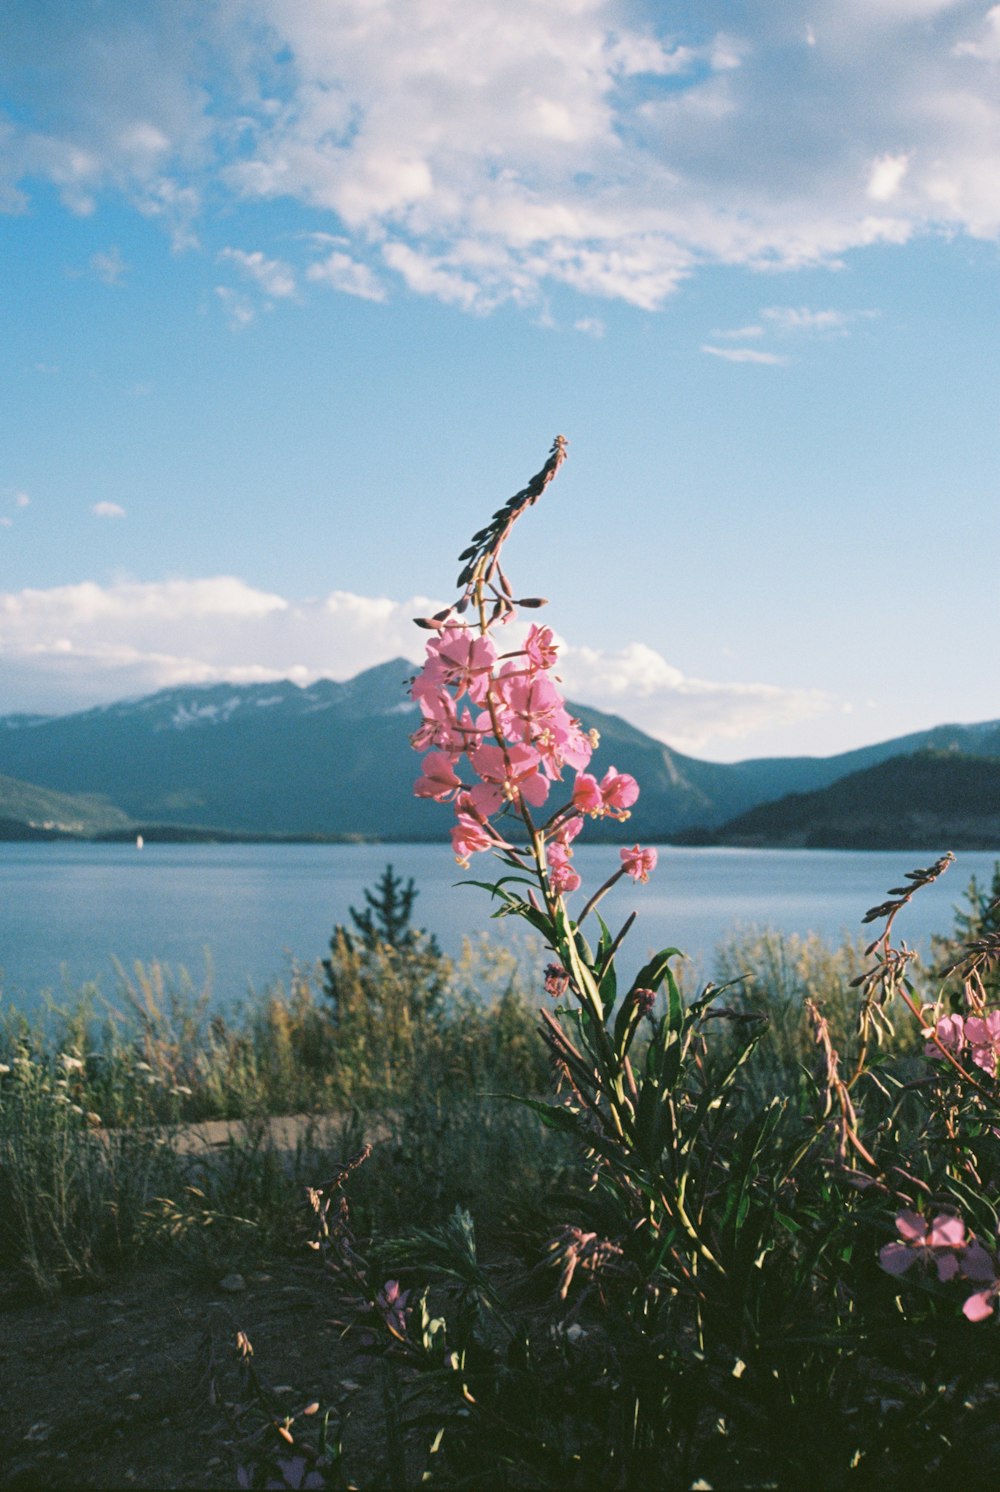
386,916
383,931
978,918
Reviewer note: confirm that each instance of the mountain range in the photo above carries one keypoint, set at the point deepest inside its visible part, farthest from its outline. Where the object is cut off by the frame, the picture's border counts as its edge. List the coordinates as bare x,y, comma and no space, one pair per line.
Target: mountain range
333,760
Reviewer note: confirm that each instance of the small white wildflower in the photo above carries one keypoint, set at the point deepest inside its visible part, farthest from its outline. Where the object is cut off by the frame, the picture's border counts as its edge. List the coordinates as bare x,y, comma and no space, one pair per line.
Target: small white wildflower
70,1064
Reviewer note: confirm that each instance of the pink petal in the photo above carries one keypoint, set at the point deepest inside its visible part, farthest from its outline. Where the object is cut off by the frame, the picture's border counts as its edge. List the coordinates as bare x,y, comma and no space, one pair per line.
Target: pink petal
896,1258
946,1232
979,1306
911,1225
977,1264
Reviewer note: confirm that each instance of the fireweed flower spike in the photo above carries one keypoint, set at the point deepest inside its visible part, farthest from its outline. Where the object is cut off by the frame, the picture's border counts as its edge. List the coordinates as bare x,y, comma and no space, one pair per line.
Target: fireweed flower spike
499,740
506,757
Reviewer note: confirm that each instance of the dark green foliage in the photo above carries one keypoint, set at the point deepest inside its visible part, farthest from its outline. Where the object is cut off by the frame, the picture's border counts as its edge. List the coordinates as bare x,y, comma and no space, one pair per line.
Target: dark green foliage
978,918
931,796
705,1303
386,915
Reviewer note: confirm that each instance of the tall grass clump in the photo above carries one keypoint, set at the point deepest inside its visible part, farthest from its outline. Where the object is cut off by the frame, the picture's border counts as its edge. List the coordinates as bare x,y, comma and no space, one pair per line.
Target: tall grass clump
104,1154
771,1259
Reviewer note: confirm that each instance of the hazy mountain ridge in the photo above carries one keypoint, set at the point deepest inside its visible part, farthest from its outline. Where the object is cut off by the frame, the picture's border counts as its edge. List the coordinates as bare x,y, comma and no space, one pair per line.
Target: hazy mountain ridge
929,797
334,759
53,815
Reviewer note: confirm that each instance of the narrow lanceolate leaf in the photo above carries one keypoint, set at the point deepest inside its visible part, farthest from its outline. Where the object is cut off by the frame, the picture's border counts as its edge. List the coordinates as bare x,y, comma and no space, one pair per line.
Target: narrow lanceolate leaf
554,1116
608,979
652,975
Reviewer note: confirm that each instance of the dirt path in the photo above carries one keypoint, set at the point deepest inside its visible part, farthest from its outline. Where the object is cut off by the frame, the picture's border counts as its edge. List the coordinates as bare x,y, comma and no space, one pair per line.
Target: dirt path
133,1387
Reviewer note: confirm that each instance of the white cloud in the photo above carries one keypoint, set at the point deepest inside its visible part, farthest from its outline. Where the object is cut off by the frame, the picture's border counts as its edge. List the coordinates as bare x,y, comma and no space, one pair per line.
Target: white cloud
792,319
590,326
746,355
490,151
428,275
341,272
274,276
108,510
77,645
987,49
6,522
239,310
739,334
886,176
689,714
21,500
109,266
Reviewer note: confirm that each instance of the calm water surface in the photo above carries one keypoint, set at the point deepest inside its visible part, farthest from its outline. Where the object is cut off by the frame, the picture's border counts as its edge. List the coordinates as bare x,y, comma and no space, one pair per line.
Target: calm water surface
68,910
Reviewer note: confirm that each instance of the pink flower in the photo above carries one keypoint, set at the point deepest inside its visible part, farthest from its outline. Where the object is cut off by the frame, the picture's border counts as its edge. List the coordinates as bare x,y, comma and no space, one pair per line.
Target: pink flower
563,743
568,831
983,1035
928,1242
541,647
528,704
441,726
950,1032
439,780
980,1304
644,1000
563,879
461,659
619,792
469,837
977,1264
294,1475
512,769
587,796
556,981
639,863
978,1267
562,876
391,1305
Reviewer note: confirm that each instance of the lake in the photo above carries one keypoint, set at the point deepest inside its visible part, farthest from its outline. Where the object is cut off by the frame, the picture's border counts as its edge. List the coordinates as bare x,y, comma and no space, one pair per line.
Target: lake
67,910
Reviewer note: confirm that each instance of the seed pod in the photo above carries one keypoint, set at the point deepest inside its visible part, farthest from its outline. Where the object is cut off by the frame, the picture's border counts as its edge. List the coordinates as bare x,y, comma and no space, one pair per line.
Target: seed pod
532,602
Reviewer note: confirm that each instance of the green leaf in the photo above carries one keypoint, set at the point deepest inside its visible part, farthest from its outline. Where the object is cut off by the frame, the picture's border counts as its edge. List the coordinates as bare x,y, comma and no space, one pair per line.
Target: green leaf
652,975
605,966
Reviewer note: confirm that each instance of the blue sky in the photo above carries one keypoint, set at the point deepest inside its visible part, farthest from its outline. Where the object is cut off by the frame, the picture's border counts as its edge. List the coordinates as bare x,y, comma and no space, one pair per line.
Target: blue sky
295,292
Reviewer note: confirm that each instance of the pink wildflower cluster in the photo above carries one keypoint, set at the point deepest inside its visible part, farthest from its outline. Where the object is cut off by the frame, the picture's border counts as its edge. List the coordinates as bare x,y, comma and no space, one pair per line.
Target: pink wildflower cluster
944,1244
505,719
979,1034
391,1302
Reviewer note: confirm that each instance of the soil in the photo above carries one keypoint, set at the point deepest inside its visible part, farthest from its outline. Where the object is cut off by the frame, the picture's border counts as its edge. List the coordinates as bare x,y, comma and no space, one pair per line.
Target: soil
140,1385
